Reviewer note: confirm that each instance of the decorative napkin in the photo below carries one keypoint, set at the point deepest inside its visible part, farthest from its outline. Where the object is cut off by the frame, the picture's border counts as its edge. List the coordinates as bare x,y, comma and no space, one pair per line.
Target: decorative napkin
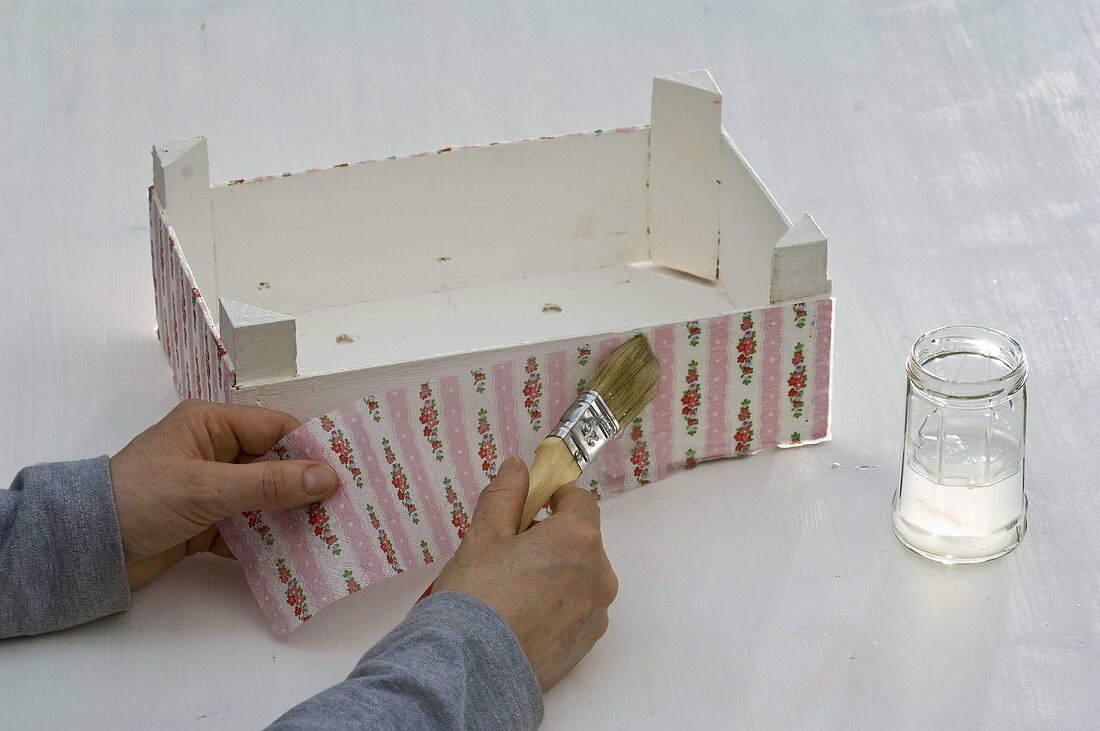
412,461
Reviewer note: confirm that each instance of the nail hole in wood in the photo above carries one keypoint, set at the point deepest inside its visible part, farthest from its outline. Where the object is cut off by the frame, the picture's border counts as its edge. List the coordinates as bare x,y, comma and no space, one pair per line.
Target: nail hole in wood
344,338
551,309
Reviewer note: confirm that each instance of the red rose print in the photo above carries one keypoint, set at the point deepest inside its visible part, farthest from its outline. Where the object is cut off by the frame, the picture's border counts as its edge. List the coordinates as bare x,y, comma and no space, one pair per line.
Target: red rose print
746,348
694,331
349,580
743,436
690,400
256,523
399,481
295,596
797,380
459,517
429,417
318,518
800,315
487,449
532,390
639,453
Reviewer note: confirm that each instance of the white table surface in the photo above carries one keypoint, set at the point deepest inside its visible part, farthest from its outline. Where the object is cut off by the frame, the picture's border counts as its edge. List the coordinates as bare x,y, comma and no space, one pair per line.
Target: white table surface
949,149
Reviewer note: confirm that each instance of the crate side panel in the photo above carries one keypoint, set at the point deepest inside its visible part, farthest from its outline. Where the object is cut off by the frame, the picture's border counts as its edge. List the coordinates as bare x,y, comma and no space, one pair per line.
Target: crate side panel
430,444
181,180
685,138
750,224
200,366
436,222
553,307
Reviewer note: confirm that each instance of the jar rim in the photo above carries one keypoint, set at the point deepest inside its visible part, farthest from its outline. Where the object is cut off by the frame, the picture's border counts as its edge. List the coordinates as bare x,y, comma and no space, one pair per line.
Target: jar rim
1007,350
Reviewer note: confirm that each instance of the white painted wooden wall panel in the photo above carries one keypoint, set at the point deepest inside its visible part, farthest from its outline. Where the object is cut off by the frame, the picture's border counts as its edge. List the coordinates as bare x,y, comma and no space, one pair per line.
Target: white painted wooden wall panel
181,180
684,141
397,228
950,151
750,225
385,351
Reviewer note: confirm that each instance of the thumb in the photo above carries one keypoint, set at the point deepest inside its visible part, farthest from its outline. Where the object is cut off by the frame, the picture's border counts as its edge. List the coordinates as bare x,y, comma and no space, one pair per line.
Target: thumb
500,506
234,488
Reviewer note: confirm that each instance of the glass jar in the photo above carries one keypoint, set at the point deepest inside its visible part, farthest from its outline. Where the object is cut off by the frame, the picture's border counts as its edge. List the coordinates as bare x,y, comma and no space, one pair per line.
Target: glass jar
961,497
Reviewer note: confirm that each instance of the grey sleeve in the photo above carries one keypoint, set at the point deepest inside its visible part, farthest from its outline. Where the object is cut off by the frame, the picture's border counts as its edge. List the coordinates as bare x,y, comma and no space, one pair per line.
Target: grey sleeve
61,558
451,664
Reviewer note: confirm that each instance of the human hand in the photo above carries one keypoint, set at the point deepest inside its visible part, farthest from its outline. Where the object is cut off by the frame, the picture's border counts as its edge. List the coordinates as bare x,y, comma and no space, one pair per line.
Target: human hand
182,475
552,583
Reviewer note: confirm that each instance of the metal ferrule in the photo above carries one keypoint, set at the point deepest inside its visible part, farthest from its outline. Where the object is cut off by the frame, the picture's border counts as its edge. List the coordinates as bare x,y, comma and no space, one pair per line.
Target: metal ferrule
586,426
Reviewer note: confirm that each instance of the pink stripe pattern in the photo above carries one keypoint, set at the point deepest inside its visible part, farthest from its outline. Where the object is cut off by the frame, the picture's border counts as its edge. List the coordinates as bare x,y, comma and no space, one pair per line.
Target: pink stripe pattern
556,388
256,574
292,575
422,485
660,432
823,363
454,422
185,326
616,465
771,389
298,538
344,508
716,396
507,422
381,490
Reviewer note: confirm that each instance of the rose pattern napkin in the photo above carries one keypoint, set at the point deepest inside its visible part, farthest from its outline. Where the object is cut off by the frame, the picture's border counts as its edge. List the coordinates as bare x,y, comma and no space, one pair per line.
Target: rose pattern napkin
412,461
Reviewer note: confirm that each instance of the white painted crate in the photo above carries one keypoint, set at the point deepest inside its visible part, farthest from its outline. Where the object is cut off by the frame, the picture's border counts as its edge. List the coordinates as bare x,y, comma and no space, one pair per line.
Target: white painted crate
305,291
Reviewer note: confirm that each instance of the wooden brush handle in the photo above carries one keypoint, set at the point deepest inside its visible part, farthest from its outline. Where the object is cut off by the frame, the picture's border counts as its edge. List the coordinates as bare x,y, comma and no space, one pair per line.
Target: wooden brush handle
553,467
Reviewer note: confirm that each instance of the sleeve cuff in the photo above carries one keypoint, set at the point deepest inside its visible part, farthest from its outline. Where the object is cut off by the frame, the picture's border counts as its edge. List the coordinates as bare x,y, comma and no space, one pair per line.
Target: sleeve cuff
102,585
506,685
63,552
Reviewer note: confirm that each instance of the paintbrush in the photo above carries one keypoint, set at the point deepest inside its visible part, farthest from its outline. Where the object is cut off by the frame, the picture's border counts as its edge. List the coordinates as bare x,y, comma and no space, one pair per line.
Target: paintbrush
623,386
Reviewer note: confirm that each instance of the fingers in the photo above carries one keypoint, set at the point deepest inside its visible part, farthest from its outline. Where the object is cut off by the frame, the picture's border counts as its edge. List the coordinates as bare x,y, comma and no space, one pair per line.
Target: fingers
234,488
257,429
219,548
141,572
500,506
570,500
235,428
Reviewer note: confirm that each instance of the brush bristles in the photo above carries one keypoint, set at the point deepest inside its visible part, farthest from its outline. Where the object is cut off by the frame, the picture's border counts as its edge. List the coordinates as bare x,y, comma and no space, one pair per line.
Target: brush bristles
629,379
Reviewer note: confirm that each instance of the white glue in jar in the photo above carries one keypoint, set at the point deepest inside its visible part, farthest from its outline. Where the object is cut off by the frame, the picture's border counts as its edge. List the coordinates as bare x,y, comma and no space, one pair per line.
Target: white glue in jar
961,497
